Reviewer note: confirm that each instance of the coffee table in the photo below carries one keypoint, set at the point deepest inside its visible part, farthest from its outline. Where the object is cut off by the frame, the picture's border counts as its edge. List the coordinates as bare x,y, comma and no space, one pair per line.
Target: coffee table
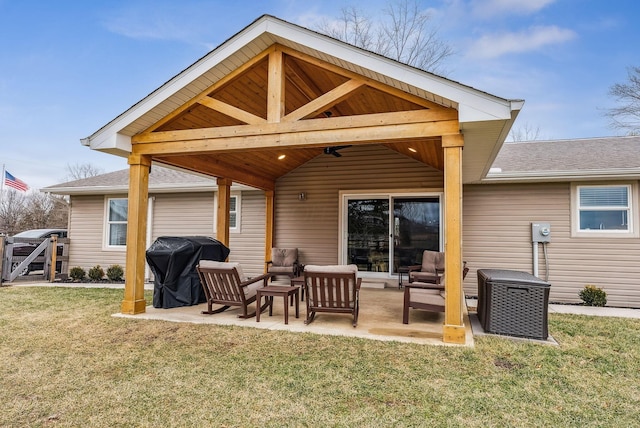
278,290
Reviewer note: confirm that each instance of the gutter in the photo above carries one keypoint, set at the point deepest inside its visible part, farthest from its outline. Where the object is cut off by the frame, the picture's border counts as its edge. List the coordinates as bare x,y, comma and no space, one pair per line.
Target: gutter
575,175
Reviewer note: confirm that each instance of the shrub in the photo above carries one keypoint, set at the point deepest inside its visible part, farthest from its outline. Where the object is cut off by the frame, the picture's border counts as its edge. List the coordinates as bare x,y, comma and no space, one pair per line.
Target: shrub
96,273
115,273
593,296
77,273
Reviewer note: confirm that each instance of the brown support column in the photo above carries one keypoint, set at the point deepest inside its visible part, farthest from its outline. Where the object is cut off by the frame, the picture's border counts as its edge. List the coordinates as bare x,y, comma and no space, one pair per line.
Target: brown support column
270,216
453,329
139,167
224,200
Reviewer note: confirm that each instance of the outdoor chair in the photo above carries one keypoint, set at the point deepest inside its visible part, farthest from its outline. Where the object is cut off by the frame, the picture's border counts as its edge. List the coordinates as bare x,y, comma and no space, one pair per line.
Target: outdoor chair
333,288
225,284
430,271
284,261
426,296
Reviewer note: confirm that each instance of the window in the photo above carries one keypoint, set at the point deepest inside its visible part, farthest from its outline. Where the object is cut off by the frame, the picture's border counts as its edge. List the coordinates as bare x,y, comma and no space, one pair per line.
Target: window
116,224
234,212
603,210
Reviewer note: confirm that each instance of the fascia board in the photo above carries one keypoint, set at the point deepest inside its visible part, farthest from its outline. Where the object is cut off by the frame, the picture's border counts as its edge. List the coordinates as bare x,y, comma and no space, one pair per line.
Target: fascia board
103,138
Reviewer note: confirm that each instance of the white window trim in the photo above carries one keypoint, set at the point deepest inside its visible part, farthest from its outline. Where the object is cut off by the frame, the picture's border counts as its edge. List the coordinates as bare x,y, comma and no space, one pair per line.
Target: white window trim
632,216
238,197
105,232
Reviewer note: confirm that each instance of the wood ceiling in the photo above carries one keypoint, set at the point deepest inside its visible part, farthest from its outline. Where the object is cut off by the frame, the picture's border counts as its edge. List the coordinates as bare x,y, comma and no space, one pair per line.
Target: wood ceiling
281,110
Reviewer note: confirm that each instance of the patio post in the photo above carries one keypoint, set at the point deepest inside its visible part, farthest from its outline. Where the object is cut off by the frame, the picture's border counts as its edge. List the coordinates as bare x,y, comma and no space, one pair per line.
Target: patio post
224,201
453,329
139,167
269,213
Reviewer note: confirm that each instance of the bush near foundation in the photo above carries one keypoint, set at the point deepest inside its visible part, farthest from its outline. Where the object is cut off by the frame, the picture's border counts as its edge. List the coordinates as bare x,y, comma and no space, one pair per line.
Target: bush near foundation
593,296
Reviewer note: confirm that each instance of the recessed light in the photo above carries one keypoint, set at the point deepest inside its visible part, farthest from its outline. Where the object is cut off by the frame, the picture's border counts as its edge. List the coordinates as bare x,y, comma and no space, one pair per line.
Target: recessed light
282,157
411,149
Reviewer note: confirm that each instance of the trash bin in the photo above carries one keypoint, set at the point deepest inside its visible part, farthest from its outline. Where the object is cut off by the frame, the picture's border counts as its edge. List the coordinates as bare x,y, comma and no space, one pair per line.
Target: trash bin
173,261
513,303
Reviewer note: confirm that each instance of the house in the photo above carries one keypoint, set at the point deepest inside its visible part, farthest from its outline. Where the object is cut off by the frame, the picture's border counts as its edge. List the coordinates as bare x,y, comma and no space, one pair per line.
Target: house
586,190
530,182
335,137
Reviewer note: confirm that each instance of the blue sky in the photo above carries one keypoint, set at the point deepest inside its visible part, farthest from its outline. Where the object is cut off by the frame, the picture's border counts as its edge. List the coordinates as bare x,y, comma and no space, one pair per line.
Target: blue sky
69,67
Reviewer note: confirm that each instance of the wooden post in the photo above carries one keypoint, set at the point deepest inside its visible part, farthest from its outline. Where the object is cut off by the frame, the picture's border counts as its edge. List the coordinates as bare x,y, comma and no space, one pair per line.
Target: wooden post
453,330
53,244
224,201
275,87
139,167
270,216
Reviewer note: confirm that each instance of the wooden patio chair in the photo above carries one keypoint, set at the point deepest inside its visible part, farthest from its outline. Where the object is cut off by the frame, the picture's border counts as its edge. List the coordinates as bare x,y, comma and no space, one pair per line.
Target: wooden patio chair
284,261
426,296
334,289
225,284
431,269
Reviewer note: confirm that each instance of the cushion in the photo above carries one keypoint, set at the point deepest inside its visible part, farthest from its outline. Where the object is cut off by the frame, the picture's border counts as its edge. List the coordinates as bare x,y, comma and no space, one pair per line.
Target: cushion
432,260
212,264
331,268
284,256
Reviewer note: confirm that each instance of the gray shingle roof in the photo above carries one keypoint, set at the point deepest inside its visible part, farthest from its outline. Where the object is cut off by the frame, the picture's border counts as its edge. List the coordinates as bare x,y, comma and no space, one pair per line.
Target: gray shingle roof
583,155
159,178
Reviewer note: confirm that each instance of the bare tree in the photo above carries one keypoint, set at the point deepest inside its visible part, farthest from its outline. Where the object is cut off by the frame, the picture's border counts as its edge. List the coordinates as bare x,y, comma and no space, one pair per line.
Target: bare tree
79,171
44,211
525,132
12,209
626,116
404,32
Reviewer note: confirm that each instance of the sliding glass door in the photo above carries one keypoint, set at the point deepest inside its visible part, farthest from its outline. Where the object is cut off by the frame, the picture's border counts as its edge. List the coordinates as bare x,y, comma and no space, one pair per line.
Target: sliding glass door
383,228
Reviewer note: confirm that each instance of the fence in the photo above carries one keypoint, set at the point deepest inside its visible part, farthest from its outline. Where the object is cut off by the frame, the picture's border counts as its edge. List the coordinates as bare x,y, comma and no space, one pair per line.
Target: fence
33,259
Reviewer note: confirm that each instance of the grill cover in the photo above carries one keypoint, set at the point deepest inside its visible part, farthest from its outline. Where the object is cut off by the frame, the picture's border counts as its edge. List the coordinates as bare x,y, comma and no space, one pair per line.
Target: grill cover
173,261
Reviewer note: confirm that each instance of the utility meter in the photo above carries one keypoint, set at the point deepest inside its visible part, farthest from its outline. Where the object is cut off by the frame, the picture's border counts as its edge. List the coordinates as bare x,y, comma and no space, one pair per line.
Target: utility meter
540,232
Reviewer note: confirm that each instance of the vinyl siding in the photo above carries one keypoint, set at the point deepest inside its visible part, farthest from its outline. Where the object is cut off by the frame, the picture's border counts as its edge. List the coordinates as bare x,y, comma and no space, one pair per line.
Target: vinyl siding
185,214
312,225
497,234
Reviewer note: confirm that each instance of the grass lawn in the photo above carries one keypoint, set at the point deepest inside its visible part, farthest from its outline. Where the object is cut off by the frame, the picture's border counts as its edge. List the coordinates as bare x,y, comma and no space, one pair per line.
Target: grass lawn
66,362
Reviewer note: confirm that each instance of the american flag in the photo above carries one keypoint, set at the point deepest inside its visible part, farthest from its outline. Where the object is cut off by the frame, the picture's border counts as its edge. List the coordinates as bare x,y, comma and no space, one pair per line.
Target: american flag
16,183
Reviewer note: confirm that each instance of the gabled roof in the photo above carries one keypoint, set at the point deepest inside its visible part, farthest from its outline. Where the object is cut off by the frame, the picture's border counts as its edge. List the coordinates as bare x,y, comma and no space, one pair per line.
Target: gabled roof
564,160
484,119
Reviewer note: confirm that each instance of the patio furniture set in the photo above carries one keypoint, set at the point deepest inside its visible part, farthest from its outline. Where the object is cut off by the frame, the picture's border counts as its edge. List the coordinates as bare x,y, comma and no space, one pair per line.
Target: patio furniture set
329,288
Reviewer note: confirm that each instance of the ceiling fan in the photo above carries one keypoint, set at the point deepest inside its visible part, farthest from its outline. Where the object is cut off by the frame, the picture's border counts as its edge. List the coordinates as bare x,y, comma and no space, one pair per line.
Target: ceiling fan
334,150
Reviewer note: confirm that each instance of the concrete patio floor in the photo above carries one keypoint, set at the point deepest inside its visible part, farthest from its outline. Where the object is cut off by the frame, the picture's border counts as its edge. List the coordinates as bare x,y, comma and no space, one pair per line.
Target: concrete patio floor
380,318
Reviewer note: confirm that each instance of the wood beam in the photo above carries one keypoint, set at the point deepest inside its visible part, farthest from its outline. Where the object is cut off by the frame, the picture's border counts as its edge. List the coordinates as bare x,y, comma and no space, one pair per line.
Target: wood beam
368,81
215,167
364,134
269,222
231,111
324,101
224,216
217,85
275,87
134,302
453,330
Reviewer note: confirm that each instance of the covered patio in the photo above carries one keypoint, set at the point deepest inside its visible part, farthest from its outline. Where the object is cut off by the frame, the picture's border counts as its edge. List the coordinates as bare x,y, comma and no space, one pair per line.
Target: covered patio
272,99
380,319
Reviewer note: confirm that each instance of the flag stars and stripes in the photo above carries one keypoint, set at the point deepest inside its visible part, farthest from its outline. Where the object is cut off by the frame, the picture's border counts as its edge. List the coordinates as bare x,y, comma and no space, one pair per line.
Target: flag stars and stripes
15,183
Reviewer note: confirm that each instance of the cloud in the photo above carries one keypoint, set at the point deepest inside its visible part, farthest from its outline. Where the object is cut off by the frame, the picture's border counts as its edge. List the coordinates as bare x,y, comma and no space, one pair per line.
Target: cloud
490,8
531,39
